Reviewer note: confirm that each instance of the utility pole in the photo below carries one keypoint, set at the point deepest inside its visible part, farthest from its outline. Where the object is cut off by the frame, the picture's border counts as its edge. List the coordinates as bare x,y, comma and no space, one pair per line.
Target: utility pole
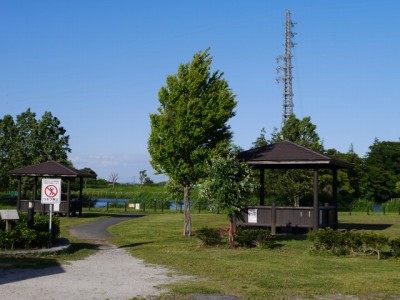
285,70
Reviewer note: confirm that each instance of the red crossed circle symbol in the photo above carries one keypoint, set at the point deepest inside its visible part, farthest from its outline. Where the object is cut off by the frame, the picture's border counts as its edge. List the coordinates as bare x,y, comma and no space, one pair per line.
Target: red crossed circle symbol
51,191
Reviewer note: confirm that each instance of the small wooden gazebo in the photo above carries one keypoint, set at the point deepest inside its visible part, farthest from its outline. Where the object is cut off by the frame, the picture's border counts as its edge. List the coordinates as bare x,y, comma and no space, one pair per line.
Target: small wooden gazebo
288,155
51,169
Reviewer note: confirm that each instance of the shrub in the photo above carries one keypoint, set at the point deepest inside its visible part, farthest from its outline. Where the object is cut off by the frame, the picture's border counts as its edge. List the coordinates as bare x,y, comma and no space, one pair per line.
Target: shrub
260,238
392,205
347,242
395,247
362,205
22,237
209,236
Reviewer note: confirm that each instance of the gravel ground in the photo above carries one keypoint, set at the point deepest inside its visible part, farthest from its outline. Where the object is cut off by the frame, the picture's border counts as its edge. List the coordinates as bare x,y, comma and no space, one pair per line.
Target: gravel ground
110,273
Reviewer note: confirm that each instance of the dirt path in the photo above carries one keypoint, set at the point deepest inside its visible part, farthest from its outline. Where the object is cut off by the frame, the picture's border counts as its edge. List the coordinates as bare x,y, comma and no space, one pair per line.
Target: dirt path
110,273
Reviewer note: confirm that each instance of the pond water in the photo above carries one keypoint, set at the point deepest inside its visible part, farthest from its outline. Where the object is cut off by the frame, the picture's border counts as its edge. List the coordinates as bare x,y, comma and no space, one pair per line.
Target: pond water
102,202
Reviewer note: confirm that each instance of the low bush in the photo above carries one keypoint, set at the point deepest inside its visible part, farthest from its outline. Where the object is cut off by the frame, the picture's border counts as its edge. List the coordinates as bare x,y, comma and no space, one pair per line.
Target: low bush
22,237
349,242
249,238
395,247
209,236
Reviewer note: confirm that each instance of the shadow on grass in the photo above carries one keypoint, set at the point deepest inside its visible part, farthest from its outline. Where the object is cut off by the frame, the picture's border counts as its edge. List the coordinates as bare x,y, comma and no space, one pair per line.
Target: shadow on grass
75,247
87,215
135,245
358,226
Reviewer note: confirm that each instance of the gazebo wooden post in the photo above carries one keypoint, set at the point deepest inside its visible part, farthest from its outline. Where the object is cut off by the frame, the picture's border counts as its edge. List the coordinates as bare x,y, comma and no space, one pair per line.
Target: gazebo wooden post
315,203
80,195
19,192
68,196
262,186
335,196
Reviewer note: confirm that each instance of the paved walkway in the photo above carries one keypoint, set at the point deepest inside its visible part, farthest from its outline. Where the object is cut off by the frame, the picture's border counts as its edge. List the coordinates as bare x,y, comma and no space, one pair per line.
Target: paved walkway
110,273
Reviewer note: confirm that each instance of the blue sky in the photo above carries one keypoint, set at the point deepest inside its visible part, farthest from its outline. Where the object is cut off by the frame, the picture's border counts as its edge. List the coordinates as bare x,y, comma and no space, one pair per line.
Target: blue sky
98,67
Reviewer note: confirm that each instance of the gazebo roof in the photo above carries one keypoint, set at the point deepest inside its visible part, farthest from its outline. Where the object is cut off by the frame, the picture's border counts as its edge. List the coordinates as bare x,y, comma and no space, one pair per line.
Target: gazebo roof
49,169
288,155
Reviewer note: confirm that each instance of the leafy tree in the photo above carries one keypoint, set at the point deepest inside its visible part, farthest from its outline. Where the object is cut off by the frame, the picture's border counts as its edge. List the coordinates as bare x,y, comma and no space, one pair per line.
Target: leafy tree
261,140
8,134
28,141
289,186
143,178
301,132
228,187
382,165
191,124
88,180
350,180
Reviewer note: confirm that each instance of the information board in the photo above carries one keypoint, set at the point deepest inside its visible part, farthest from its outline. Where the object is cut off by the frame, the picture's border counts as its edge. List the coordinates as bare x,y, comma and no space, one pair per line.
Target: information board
9,214
51,190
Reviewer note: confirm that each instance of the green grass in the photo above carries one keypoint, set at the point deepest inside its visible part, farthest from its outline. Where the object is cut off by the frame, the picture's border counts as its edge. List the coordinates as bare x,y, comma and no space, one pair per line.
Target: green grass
287,271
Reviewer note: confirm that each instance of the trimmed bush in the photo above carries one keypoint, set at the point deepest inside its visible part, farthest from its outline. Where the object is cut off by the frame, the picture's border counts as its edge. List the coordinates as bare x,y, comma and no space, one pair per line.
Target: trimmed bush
260,238
209,236
348,242
22,237
395,247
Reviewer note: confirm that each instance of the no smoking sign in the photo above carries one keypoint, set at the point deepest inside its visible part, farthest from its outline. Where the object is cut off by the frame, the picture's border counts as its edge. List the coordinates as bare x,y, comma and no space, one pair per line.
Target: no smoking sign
51,190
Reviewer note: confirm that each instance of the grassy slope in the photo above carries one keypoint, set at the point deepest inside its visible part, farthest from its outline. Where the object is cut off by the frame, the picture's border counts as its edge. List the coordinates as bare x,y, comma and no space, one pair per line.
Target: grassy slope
287,271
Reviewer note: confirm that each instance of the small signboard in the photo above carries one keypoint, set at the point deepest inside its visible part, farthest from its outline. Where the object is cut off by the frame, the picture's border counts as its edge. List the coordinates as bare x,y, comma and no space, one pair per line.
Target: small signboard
51,190
252,216
138,206
9,214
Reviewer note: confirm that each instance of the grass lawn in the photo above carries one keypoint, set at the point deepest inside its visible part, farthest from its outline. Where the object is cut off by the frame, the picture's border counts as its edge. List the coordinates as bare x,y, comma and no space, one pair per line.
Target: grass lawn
287,271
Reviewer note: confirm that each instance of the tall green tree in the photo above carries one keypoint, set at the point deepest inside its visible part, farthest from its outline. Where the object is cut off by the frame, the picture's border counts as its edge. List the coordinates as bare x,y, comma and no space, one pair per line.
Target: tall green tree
302,132
191,124
8,135
261,140
288,187
28,141
382,165
228,187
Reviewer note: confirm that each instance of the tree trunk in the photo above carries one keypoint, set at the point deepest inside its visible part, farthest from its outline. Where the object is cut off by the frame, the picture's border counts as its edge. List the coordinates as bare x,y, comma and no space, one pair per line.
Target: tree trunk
187,228
231,233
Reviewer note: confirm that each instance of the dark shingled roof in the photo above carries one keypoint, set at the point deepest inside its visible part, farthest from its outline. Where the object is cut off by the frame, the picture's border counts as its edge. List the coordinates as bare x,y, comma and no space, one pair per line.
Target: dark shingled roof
49,169
288,155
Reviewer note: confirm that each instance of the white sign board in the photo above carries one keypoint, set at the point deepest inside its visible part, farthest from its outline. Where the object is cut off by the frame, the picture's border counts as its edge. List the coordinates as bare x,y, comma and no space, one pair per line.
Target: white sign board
9,214
51,190
252,216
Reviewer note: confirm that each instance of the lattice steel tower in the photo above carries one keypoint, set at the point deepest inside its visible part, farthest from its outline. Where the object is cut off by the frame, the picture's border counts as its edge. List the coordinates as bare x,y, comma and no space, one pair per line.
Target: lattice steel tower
286,69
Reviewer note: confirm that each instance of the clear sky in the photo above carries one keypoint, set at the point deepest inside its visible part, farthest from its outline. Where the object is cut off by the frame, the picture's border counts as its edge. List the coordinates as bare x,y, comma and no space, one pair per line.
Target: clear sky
98,66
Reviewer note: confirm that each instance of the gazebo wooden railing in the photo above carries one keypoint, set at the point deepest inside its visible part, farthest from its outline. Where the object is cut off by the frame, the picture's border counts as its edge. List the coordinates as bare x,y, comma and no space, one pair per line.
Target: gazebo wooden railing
66,207
274,217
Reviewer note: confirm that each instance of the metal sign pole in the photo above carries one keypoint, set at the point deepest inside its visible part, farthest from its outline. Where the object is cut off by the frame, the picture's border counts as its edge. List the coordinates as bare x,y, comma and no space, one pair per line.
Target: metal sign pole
51,219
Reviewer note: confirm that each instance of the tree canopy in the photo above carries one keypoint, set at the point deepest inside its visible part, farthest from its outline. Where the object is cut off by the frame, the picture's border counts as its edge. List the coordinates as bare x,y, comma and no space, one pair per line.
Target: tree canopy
229,185
27,141
191,124
383,170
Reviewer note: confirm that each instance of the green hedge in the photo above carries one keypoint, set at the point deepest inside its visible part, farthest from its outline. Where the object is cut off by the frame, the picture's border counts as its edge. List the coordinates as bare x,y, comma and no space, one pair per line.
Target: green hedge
22,237
340,242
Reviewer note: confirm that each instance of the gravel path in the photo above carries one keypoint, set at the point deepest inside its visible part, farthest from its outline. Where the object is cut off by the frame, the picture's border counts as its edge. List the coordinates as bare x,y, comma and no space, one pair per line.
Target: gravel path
110,273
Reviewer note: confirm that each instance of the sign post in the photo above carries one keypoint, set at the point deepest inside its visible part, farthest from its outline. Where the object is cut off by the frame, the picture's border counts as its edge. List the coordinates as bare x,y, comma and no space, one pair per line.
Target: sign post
51,194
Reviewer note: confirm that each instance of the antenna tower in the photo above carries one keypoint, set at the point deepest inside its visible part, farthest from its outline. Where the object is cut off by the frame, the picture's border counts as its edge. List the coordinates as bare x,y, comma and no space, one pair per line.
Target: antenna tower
285,69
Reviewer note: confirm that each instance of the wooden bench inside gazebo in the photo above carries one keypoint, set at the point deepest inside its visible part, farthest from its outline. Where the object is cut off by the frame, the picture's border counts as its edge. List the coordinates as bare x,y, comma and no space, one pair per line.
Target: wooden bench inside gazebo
50,169
288,155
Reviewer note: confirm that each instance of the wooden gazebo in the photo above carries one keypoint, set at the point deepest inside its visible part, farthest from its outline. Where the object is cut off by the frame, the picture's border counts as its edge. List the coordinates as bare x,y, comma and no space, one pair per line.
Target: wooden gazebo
288,155
51,169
